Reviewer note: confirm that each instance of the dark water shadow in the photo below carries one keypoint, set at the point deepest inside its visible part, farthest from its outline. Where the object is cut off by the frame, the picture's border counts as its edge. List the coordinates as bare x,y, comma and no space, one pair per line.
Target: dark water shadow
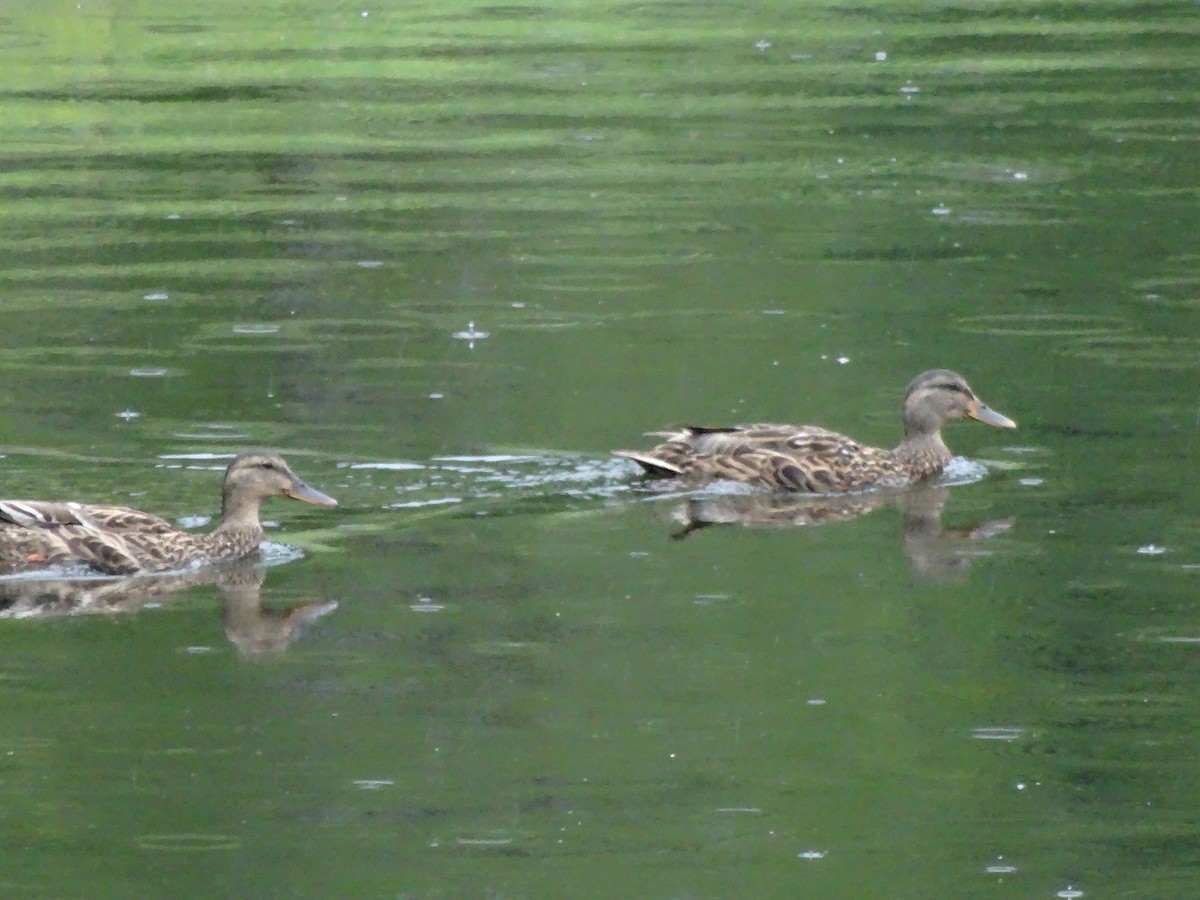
255,630
935,551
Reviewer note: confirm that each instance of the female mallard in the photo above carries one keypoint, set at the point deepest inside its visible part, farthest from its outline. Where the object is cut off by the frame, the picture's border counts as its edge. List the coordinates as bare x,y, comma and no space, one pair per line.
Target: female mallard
812,460
117,540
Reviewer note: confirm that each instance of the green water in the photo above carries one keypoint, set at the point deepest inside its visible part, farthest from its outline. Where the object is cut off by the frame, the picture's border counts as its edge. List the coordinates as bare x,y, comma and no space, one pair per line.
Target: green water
278,224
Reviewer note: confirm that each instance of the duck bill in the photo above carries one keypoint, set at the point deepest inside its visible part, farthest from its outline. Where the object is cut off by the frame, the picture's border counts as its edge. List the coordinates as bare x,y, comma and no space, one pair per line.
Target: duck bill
981,412
301,491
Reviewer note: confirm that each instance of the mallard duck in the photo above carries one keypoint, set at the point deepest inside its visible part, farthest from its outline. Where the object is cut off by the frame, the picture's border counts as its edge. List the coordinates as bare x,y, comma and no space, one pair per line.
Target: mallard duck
118,540
812,460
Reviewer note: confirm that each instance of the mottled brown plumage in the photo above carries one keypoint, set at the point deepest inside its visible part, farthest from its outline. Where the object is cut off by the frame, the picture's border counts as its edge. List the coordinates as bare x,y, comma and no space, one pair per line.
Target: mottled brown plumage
806,459
118,540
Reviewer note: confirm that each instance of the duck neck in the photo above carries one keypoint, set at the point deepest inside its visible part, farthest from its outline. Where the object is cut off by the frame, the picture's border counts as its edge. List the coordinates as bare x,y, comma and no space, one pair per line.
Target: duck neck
923,451
239,511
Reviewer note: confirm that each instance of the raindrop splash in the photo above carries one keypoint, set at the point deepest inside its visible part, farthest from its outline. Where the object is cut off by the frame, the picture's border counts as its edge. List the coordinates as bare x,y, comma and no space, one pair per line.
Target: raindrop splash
470,335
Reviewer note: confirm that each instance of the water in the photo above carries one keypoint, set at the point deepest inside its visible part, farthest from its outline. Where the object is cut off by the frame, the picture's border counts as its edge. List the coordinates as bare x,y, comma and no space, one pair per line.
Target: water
445,256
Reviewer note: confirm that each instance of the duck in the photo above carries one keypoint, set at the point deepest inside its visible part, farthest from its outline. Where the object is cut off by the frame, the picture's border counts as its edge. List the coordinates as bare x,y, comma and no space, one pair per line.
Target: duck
120,540
811,460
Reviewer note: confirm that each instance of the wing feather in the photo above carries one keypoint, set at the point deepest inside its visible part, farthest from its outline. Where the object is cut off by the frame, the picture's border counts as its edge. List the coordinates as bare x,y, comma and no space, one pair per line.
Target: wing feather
797,458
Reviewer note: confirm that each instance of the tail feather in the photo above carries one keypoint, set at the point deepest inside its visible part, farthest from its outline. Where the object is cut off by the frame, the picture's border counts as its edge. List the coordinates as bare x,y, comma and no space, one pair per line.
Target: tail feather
657,468
687,431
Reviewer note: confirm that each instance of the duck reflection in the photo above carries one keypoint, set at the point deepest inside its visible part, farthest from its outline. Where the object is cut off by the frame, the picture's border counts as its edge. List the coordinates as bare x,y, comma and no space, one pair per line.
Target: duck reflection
255,630
934,551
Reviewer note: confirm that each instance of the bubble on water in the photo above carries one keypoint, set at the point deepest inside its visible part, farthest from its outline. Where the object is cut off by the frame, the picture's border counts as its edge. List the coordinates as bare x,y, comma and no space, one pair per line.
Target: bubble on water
156,295
761,45
1151,550
128,414
187,842
997,733
812,854
372,784
880,56
387,465
147,372
941,210
263,328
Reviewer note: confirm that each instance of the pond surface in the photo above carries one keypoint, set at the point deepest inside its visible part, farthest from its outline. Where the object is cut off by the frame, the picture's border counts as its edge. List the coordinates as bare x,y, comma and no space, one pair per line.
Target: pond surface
445,256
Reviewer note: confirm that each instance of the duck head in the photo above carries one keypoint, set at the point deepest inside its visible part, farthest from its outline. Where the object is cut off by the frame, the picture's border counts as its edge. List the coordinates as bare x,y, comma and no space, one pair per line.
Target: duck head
255,475
939,395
